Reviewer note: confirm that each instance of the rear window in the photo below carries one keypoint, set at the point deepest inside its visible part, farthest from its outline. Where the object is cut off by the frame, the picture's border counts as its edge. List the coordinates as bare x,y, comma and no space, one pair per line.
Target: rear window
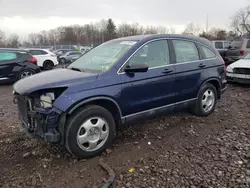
236,44
5,56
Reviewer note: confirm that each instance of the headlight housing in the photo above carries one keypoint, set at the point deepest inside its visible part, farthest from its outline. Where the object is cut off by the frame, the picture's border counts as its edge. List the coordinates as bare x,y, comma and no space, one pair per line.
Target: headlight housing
229,69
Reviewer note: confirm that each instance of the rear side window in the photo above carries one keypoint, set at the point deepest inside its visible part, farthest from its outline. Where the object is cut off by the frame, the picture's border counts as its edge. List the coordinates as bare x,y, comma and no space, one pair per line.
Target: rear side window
37,52
185,51
236,44
207,53
24,56
248,44
226,45
219,45
6,56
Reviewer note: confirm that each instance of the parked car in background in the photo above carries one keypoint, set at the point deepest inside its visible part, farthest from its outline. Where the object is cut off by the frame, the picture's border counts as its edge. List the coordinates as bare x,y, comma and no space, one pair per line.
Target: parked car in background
45,58
221,46
66,58
239,71
83,105
15,65
61,52
237,49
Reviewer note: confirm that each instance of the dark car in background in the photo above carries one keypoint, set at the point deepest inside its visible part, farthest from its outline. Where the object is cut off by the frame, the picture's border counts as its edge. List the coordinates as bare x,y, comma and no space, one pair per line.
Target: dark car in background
237,49
131,78
15,65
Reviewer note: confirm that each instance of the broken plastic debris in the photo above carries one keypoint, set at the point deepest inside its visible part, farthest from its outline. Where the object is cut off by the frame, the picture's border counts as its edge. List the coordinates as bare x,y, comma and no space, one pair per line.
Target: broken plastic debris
131,170
240,162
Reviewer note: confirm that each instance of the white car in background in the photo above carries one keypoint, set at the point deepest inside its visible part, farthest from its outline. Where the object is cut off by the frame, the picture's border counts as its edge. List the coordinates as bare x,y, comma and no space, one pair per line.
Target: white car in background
45,58
239,71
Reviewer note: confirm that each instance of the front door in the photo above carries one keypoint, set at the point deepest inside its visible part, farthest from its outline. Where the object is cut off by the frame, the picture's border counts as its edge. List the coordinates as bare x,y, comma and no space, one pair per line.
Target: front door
151,91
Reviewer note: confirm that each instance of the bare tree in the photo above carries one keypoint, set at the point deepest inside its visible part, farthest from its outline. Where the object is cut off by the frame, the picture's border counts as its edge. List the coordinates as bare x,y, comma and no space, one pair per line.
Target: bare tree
13,41
33,38
192,29
241,21
2,39
150,30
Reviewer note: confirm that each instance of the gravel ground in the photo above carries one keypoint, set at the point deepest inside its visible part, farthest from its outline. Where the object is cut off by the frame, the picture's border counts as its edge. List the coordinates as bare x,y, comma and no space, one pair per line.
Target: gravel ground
171,151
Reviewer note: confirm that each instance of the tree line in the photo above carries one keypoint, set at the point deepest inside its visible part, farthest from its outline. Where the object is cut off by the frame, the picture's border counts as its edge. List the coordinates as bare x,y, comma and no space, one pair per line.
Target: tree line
104,30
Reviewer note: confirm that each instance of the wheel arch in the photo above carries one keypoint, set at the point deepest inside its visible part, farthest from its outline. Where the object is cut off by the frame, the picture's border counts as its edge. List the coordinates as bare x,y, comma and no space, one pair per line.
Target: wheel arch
216,83
107,102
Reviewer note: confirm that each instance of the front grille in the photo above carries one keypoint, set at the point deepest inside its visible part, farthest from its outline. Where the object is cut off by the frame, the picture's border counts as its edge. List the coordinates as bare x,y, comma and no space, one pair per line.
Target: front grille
242,71
23,107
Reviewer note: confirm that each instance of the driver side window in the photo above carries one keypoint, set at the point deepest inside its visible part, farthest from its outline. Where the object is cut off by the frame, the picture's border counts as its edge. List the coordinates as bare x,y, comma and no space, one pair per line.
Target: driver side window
153,54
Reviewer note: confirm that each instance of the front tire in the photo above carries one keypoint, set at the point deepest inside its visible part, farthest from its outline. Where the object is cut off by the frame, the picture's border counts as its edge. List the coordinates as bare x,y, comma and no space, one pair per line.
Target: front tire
89,131
206,102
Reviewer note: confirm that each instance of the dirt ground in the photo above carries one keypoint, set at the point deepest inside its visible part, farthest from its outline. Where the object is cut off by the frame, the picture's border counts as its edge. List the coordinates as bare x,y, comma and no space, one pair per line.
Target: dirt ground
171,151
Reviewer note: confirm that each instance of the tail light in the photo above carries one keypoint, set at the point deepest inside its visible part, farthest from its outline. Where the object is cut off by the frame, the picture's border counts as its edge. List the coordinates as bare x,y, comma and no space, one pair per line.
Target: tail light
241,52
32,60
224,64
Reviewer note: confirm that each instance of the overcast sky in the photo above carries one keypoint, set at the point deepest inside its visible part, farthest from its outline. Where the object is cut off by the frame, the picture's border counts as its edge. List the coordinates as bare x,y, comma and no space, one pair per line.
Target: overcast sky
26,16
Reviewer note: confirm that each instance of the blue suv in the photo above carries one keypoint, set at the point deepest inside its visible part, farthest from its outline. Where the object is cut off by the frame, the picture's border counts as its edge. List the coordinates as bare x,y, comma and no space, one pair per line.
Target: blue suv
120,81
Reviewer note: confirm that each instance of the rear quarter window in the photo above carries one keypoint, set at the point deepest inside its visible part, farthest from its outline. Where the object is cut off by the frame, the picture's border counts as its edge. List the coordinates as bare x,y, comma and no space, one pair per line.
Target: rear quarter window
5,56
207,53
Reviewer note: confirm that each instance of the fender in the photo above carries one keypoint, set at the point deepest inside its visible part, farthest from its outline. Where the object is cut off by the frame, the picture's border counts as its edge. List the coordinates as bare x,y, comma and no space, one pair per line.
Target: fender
210,79
93,99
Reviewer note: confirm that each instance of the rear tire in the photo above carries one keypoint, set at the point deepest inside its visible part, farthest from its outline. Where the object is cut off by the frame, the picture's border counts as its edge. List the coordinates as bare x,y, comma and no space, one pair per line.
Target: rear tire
89,131
206,102
48,65
25,73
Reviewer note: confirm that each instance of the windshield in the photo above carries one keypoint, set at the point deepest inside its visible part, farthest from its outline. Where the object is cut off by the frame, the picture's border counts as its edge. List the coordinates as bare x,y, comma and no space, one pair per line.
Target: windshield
247,56
101,58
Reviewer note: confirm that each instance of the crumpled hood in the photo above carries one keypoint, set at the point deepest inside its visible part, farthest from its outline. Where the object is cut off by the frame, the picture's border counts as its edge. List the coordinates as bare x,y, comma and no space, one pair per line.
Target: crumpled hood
52,78
242,63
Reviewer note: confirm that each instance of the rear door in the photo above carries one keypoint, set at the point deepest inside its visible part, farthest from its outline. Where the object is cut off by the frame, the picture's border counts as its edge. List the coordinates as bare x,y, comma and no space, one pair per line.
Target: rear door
7,64
189,68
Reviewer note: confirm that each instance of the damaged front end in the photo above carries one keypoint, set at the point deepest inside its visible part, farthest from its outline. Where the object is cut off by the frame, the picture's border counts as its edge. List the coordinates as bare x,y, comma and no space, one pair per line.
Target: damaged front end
39,117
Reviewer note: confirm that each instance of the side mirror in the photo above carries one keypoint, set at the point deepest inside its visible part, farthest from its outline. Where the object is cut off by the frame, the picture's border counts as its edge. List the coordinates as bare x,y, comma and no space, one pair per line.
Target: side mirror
136,68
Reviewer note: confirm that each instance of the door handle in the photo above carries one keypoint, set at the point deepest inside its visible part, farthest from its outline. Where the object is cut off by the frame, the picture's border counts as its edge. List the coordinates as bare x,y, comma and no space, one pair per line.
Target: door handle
166,71
201,65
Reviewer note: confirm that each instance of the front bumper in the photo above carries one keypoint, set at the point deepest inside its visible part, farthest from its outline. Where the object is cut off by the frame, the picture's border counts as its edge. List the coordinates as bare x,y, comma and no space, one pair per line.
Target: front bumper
38,122
238,78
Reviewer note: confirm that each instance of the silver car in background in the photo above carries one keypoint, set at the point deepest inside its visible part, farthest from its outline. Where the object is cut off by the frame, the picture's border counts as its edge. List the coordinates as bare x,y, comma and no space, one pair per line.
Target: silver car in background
67,57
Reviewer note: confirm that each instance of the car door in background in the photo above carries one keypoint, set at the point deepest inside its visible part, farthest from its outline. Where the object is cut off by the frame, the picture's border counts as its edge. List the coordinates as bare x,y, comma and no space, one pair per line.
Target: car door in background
149,92
7,63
